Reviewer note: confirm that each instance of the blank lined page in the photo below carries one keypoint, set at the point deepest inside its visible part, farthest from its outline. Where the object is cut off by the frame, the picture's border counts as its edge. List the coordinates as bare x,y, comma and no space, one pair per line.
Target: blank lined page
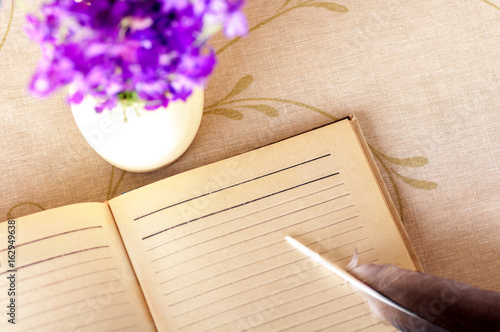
72,273
208,245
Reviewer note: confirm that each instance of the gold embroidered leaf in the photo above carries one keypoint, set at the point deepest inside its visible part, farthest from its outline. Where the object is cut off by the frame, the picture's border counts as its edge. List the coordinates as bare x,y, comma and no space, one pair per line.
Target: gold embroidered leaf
328,5
267,110
407,162
419,184
240,86
226,112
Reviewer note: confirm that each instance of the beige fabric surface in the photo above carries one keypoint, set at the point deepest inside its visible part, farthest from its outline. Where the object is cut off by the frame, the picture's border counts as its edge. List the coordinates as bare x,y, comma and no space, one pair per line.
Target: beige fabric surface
421,76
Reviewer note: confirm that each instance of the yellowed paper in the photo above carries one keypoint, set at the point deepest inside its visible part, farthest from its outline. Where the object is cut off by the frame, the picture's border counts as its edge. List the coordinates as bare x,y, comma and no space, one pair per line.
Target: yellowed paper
208,245
68,271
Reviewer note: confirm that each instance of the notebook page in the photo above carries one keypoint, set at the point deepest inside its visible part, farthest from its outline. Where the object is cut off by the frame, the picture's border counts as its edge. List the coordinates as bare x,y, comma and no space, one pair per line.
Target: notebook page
208,245
69,272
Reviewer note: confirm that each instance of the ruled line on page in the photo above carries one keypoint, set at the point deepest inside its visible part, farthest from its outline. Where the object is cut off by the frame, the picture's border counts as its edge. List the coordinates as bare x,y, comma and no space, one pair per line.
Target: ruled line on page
70,291
241,204
326,315
34,289
260,273
305,309
68,279
232,282
67,267
125,328
221,261
52,236
367,327
294,289
252,275
78,314
247,239
262,235
243,216
345,321
58,294
105,320
257,286
346,244
252,289
252,251
58,256
259,223
234,185
102,307
52,309
316,318
260,299
249,264
263,259
253,301
259,236
253,225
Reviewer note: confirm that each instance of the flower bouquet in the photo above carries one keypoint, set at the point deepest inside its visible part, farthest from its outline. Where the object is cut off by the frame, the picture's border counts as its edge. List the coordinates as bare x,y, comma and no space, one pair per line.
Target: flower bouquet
150,50
123,53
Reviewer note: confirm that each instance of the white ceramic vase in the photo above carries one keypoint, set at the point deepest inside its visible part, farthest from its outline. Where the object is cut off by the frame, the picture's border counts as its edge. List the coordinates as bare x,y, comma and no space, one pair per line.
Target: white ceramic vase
146,140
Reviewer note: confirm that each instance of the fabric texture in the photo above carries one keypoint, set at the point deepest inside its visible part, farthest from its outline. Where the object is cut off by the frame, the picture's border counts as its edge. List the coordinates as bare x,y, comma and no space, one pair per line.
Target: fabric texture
422,78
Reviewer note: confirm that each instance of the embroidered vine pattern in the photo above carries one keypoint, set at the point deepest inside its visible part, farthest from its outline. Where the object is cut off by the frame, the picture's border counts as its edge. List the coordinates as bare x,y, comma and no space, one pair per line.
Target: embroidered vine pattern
285,8
9,23
491,4
115,180
11,213
230,107
114,184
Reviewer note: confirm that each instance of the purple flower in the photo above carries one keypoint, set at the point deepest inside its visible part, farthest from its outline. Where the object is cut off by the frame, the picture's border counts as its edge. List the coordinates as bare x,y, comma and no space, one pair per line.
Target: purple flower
155,49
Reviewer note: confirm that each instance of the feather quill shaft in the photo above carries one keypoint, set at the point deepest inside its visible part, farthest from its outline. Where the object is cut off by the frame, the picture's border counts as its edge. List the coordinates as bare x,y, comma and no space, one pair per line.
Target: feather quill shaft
381,305
414,301
347,277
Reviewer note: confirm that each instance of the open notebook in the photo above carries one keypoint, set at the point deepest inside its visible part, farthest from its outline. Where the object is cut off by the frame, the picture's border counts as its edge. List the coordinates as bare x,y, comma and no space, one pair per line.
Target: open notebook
205,251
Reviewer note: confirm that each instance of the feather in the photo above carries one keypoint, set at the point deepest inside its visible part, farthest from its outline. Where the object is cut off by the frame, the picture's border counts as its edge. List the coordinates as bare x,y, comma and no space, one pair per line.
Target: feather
452,305
415,301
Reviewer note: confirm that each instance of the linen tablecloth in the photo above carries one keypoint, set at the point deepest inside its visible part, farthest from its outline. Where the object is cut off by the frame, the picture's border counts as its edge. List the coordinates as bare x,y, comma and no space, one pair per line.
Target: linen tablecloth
421,76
